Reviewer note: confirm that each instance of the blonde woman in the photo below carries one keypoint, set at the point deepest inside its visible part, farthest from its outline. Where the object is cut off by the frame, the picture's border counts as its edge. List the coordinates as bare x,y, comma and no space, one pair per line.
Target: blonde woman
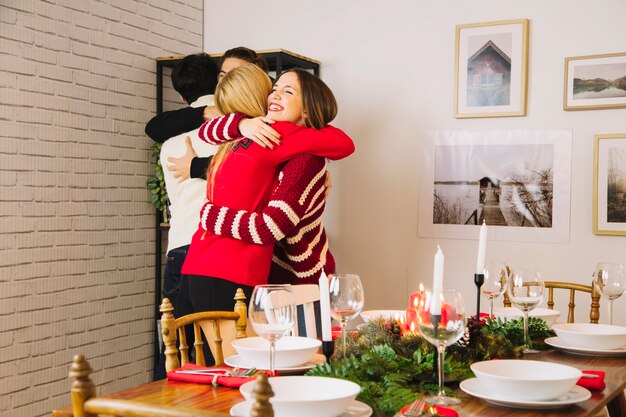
242,177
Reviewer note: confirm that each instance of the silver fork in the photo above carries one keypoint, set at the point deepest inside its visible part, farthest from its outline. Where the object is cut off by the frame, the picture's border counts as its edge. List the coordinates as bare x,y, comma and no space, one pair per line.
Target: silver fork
416,409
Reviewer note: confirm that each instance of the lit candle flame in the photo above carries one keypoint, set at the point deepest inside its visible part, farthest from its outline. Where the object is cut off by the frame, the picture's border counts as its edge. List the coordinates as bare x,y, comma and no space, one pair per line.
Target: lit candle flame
421,288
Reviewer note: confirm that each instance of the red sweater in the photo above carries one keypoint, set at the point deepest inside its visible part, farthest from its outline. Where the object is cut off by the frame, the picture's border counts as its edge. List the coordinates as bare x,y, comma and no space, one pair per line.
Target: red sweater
244,182
292,220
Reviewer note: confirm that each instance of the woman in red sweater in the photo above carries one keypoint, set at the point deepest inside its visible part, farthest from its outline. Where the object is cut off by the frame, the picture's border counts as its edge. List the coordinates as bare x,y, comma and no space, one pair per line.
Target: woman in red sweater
243,176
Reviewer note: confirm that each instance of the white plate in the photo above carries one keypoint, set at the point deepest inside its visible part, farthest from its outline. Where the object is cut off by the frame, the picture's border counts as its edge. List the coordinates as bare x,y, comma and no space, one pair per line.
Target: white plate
386,314
356,409
237,362
575,395
557,342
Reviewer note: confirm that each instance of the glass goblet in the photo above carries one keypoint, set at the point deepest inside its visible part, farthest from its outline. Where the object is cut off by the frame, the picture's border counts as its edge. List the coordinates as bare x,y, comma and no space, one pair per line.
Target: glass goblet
346,300
496,276
525,290
609,281
441,321
272,314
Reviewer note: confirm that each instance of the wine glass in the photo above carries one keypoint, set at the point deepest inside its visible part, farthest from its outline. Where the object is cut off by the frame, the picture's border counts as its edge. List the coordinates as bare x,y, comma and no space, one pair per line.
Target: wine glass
346,300
496,275
525,290
441,321
609,280
272,314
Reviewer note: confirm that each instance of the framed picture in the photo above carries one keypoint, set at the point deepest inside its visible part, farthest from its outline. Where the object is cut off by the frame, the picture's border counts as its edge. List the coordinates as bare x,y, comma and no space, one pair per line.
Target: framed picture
491,69
609,185
517,181
595,82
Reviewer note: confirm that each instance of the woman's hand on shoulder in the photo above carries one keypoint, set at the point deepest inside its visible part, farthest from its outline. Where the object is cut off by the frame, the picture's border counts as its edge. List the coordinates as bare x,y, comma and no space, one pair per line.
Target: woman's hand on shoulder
259,131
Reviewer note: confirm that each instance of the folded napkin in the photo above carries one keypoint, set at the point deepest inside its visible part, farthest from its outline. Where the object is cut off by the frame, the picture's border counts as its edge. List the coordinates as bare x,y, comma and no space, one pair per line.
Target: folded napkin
592,384
216,375
442,411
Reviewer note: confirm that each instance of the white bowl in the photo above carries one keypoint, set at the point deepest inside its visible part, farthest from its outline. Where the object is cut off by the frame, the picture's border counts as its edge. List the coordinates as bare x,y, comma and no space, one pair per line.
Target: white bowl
591,336
307,396
526,380
290,351
386,314
512,313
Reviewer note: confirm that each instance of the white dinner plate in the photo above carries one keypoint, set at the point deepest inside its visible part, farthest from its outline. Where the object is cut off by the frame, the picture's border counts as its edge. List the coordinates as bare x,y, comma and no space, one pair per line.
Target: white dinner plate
575,395
356,409
236,361
557,342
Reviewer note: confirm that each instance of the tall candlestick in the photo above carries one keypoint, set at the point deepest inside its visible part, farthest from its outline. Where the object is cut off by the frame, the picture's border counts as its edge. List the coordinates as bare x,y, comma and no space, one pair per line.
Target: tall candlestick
325,308
435,306
482,242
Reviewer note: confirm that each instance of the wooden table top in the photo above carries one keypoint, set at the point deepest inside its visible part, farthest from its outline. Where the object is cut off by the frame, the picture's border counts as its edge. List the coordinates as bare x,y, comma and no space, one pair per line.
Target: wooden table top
221,399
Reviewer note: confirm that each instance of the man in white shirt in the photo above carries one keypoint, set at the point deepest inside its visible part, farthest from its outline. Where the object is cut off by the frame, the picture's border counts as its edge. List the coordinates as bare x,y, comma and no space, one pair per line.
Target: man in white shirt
194,78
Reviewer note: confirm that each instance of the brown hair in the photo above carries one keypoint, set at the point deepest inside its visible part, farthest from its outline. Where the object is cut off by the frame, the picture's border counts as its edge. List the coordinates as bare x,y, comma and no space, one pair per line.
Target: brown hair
318,101
242,90
245,54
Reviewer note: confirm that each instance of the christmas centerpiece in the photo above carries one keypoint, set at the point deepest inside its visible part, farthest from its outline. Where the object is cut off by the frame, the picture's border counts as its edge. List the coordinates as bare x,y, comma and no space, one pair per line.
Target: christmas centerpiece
393,363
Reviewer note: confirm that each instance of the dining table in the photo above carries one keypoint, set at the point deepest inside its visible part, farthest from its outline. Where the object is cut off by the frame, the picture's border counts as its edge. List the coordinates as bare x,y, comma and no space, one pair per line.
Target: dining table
221,399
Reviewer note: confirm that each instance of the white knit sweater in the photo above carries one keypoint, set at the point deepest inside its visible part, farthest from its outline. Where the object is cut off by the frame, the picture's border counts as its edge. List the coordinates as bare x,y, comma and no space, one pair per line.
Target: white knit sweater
186,198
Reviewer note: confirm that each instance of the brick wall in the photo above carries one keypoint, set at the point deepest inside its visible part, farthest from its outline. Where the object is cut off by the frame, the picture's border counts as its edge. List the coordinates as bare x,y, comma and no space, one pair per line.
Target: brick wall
77,84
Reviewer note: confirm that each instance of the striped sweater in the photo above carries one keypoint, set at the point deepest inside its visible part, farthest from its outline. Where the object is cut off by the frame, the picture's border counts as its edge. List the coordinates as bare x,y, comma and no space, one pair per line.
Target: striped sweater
245,181
292,220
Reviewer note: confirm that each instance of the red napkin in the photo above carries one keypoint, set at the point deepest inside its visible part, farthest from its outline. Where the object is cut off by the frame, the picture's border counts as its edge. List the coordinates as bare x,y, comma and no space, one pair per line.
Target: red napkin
592,384
442,411
223,379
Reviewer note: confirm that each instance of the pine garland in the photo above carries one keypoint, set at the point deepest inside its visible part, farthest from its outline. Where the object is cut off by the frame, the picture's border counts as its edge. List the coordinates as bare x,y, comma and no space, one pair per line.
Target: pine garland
392,368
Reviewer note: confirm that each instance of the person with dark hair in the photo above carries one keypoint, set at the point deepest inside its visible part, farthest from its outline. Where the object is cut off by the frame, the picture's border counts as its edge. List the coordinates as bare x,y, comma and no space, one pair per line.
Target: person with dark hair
292,219
194,78
173,122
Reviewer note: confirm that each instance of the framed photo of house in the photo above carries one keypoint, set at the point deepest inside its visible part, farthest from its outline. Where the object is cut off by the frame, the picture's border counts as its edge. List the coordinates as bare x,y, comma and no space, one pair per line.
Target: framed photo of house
491,69
609,184
517,181
595,82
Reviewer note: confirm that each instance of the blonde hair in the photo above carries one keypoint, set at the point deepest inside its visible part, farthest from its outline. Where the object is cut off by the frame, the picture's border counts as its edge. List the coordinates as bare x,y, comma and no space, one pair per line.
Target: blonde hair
242,90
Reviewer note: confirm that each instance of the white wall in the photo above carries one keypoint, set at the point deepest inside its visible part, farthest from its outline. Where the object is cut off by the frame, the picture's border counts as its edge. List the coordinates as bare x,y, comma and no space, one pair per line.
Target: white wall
391,68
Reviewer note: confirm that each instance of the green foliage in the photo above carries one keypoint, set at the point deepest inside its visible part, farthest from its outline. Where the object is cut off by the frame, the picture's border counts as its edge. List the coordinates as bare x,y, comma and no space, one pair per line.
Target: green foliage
392,368
513,331
156,183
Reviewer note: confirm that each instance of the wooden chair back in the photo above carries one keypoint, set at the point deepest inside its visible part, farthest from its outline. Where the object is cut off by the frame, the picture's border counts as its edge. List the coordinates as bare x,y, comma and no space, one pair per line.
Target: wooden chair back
217,326
86,404
307,322
594,311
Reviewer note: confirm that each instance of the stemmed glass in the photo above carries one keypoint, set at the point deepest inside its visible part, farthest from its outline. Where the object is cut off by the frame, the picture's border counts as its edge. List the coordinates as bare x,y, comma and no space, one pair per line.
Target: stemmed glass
346,300
525,290
609,280
496,275
441,320
272,314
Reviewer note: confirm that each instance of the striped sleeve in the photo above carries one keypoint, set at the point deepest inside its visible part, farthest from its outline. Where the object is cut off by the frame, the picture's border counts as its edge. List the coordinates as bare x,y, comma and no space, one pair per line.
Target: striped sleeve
302,179
221,129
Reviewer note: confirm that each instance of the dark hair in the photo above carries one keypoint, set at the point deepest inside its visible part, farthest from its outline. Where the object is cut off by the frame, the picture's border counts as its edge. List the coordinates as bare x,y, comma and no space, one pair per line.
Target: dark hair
195,76
318,101
245,54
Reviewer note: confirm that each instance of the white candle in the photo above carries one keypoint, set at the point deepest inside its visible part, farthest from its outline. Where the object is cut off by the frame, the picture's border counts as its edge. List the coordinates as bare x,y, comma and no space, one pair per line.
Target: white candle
325,308
435,306
482,242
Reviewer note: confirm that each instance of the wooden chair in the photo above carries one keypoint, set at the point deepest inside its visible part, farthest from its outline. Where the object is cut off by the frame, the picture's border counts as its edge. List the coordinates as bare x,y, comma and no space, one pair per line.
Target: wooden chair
86,404
594,313
307,323
217,326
